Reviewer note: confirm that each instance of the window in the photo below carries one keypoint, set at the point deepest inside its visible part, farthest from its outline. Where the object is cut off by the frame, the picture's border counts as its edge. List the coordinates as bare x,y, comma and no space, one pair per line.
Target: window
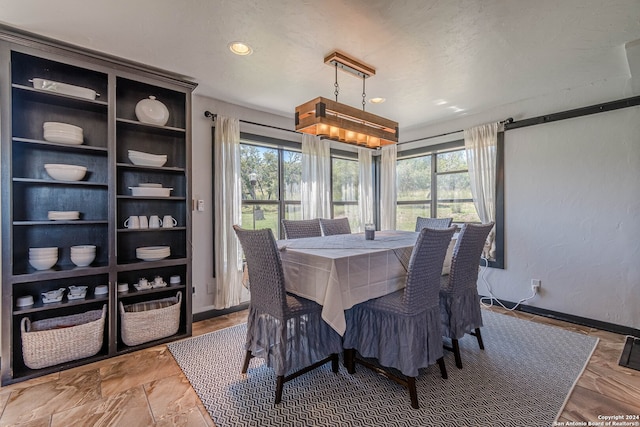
434,185
270,185
345,179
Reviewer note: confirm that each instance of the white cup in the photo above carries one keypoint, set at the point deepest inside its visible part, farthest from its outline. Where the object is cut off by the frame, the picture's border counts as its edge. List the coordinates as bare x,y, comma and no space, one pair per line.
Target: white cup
144,222
143,283
158,280
132,222
168,221
155,222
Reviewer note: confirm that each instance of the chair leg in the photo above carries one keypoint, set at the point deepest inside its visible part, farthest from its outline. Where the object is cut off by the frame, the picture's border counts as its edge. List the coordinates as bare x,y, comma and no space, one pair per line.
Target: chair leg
413,393
479,337
456,352
279,385
247,358
350,360
335,362
443,368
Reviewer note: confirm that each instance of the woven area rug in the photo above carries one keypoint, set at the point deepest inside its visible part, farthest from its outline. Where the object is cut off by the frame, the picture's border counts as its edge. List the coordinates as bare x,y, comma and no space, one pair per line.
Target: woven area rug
522,378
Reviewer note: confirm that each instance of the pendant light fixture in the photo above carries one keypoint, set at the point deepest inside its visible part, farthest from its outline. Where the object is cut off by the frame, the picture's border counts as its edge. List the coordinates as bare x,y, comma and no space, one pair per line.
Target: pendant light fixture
339,122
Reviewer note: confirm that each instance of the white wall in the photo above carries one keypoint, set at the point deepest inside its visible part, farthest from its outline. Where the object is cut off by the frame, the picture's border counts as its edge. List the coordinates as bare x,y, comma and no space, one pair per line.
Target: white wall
571,201
202,238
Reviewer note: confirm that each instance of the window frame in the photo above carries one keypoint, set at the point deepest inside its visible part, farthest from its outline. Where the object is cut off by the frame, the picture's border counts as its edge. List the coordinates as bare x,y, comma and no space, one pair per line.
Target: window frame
280,146
433,150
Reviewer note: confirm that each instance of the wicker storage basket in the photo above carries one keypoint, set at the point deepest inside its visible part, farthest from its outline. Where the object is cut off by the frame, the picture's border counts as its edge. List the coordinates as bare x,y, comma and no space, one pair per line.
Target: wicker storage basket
150,320
57,340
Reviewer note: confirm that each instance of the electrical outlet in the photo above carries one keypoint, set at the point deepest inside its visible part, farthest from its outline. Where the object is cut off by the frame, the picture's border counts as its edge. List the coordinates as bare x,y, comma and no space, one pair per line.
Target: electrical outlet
535,285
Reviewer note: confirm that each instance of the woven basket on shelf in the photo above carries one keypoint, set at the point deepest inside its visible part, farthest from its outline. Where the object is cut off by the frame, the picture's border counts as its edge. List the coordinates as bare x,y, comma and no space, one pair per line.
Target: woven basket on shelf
150,320
57,340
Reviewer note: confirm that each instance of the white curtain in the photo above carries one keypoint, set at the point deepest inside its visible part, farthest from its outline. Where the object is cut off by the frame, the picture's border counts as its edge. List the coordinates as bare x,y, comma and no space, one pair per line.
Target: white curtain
481,144
388,190
316,178
227,212
365,191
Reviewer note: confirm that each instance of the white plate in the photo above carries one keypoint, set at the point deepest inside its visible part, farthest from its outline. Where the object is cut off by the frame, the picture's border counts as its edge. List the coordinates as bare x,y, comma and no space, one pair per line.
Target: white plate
63,215
149,185
64,88
151,191
156,285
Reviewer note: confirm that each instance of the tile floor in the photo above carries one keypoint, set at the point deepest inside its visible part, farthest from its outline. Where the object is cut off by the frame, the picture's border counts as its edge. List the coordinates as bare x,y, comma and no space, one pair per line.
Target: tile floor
147,388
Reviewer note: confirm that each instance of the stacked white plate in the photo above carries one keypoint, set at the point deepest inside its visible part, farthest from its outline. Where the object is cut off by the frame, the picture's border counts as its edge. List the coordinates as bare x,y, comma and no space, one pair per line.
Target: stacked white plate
83,255
63,133
153,253
141,158
43,258
63,215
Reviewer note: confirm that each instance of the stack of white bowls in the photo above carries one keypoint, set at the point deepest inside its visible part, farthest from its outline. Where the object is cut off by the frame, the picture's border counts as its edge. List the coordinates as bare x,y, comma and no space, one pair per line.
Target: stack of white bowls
141,158
83,255
43,258
153,253
63,133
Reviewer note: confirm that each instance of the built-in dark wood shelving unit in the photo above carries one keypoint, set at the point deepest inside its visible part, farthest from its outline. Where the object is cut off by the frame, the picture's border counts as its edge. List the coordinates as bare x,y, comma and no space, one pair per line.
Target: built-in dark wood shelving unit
110,128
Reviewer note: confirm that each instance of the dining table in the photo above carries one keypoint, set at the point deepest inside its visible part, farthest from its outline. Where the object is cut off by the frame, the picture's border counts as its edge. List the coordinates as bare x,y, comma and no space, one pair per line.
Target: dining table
343,270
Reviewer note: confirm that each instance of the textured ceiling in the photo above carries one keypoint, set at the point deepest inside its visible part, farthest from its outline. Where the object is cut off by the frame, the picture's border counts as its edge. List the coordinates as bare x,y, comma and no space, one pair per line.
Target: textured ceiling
435,60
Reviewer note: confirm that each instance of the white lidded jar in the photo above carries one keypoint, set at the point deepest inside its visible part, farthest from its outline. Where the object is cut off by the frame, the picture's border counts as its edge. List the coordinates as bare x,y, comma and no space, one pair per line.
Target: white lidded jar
152,111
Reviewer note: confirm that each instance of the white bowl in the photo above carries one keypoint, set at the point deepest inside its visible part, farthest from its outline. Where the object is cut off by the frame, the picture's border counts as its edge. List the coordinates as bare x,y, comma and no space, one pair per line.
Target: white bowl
41,251
149,185
62,137
123,287
82,260
83,249
24,301
101,290
43,263
67,89
43,258
62,172
147,162
151,191
63,127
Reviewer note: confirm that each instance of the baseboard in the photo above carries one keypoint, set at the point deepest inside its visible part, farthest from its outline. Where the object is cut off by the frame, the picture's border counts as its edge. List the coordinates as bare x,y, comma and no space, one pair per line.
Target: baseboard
605,326
210,314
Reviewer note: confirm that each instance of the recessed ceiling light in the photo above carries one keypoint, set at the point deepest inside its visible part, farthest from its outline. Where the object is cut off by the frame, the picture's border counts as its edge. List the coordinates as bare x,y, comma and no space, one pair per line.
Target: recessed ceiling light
377,100
240,48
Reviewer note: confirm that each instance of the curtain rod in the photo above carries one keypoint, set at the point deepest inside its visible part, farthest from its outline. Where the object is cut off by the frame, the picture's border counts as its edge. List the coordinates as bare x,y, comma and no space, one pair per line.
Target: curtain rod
208,114
504,122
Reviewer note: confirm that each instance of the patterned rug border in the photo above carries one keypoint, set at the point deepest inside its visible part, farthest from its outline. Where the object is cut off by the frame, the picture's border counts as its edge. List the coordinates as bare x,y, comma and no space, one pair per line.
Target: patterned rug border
232,399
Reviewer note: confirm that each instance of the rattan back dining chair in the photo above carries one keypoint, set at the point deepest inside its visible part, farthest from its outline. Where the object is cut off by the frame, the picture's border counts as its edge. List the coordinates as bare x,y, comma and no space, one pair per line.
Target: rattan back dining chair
432,223
459,299
285,330
331,227
298,229
402,330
